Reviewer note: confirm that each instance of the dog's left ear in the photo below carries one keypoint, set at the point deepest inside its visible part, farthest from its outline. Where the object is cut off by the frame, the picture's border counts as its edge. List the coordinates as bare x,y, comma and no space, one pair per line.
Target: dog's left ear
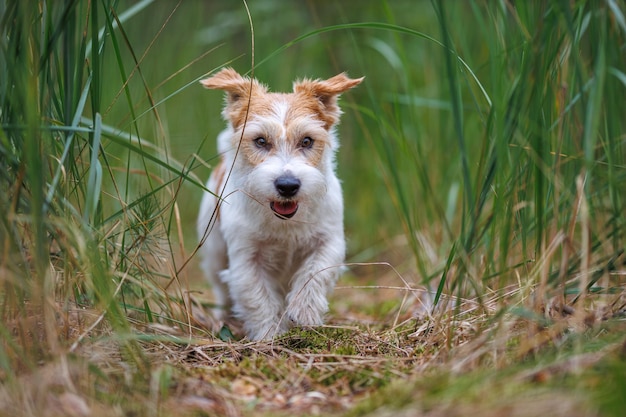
239,90
327,92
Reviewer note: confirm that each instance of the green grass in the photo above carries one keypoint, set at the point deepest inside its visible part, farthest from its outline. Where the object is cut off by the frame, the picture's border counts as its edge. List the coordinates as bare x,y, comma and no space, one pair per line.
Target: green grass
483,162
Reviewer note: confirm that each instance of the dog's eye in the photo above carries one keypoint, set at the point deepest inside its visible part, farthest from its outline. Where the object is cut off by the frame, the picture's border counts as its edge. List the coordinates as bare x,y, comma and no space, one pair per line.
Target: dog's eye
260,142
306,143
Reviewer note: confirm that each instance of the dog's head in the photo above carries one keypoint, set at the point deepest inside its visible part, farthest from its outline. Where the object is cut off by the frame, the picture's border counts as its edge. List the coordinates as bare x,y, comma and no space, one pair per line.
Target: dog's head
286,141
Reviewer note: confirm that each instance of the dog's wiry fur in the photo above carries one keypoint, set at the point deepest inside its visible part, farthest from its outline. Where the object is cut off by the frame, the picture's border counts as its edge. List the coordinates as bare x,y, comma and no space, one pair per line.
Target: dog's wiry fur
275,250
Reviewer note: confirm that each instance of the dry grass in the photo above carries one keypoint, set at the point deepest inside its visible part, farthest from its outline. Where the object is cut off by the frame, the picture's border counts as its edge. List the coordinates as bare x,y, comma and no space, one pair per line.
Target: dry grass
408,360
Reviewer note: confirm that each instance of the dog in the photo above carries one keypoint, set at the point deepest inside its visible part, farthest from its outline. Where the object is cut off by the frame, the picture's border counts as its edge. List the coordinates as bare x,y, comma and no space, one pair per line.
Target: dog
271,229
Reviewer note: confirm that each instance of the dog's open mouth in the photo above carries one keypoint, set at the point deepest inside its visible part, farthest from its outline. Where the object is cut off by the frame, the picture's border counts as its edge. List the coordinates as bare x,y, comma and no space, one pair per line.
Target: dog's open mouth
284,209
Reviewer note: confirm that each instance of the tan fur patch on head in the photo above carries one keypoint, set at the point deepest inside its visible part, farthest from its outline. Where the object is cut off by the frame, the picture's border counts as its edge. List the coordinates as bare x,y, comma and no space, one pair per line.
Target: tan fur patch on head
284,129
297,129
321,95
240,91
252,153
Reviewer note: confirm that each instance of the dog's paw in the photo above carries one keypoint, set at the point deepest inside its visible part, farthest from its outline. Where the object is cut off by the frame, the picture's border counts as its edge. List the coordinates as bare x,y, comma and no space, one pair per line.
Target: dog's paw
306,315
265,331
306,307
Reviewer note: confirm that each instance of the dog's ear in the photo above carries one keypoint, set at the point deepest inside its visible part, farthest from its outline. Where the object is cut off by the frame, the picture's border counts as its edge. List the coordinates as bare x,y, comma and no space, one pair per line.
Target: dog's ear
229,80
238,90
327,92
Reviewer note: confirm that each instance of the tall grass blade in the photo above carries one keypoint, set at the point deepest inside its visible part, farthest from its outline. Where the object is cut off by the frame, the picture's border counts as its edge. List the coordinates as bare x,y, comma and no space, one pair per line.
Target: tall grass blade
69,142
94,180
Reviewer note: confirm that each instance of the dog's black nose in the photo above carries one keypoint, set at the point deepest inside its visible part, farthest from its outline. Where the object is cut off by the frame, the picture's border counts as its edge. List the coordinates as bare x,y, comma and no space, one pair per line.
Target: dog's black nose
287,185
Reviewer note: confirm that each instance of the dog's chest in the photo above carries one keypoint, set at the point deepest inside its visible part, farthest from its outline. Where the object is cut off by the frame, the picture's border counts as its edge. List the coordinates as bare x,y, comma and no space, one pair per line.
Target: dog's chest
283,258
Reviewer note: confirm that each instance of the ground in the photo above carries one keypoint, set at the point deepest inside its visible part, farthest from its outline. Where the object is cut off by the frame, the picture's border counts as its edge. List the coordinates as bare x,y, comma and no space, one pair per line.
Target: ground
377,356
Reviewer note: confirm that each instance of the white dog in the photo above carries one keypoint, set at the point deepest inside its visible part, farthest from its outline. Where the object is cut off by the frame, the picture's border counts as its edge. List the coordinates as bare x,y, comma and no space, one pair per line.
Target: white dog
273,242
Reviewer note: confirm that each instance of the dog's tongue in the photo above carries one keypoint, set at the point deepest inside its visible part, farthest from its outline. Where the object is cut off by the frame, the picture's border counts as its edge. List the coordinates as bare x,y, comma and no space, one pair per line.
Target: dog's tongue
286,209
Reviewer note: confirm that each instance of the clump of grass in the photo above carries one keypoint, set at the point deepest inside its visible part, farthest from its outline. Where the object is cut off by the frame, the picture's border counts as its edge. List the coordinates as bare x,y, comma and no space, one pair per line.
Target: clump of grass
526,197
74,234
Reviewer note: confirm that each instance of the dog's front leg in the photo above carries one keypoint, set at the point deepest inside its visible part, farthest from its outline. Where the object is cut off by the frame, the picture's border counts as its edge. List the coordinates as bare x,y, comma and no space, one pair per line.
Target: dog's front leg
256,299
307,301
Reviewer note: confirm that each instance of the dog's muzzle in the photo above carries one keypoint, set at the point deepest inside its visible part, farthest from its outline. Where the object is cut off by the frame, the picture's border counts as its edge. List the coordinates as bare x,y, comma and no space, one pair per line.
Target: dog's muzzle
287,187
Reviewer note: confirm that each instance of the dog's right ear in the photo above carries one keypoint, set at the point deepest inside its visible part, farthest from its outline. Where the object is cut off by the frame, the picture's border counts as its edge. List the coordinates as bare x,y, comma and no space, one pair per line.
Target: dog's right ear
239,90
229,80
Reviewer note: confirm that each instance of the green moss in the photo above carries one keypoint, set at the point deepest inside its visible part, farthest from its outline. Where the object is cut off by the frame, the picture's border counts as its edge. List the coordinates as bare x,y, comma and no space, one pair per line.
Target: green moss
330,340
